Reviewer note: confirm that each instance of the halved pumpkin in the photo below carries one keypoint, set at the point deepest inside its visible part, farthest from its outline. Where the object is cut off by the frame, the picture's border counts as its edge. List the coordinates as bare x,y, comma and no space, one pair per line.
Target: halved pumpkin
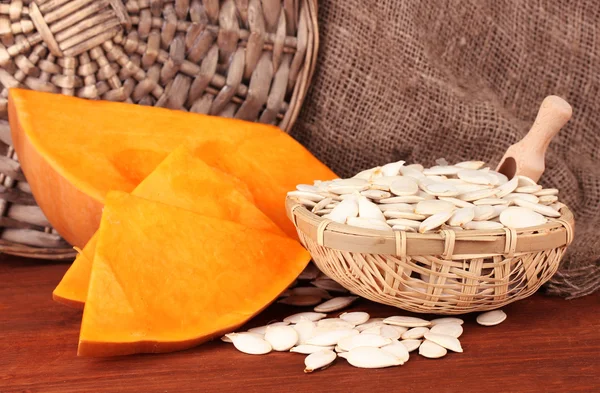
73,151
166,279
184,181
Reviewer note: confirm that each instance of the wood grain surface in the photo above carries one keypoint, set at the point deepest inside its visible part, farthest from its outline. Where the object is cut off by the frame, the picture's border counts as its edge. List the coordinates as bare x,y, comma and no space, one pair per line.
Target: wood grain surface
546,345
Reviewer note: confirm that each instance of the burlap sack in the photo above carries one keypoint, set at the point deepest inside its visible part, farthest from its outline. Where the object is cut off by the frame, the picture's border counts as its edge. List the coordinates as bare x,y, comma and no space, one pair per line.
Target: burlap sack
418,80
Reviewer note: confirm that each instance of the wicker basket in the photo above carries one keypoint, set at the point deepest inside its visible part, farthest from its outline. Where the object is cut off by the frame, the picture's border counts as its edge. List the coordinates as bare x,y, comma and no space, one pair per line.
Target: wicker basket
248,59
444,273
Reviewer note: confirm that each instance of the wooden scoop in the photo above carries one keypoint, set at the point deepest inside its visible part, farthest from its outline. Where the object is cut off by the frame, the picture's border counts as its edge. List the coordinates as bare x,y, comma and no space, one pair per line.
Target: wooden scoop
526,157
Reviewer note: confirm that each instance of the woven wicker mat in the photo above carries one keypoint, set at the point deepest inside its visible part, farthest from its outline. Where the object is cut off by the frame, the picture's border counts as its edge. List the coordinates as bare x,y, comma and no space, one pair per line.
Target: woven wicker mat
419,80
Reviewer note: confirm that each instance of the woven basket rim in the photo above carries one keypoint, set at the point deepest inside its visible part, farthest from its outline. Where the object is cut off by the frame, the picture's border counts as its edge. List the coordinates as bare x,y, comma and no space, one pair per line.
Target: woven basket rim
462,245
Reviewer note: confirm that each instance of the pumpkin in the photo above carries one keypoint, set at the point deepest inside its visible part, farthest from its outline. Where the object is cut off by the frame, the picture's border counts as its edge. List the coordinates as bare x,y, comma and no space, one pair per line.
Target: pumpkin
181,180
167,279
73,151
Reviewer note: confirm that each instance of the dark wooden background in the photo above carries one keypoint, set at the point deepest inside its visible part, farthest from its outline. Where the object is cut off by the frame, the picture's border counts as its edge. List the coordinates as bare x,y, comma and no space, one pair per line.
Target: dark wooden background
545,345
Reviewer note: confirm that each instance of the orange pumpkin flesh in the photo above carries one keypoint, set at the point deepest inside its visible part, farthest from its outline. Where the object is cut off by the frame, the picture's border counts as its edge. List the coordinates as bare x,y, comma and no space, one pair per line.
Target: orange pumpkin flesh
73,151
184,181
167,279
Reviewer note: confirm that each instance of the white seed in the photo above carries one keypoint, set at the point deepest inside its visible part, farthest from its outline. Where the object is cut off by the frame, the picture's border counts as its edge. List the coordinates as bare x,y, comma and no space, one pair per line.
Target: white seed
263,329
367,209
525,181
307,202
521,217
301,300
362,340
406,321
526,197
356,317
483,213
477,177
369,357
547,192
465,188
438,321
305,316
548,199
369,174
384,183
404,186
372,322
411,345
321,205
281,338
346,208
392,169
313,291
457,202
375,194
462,216
478,194
449,329
445,341
331,337
491,318
391,332
507,188
328,285
529,189
250,343
434,221
347,186
403,214
470,164
396,207
368,223
411,171
307,188
403,228
404,222
483,225
491,201
335,304
502,179
431,207
319,360
432,350
334,324
414,333
542,209
306,349
338,350
498,209
309,196
397,349
403,199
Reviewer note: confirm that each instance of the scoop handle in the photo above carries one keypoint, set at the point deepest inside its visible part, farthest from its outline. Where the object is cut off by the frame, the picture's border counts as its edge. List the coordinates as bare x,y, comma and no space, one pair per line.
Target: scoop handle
554,113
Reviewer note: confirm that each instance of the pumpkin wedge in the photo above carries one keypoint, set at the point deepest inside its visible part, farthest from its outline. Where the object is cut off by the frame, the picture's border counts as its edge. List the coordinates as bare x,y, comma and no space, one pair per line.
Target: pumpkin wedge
167,279
181,180
73,151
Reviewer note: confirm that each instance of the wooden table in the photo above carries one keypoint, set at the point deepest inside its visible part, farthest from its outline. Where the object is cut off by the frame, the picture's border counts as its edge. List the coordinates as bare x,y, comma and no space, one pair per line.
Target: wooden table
546,345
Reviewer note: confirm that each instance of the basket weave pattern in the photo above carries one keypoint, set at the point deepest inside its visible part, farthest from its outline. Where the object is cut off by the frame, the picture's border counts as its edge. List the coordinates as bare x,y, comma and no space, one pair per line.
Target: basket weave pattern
443,273
250,59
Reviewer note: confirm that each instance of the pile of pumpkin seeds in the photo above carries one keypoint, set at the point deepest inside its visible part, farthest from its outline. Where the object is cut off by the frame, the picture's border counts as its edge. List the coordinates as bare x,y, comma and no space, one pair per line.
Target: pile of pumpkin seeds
363,341
463,196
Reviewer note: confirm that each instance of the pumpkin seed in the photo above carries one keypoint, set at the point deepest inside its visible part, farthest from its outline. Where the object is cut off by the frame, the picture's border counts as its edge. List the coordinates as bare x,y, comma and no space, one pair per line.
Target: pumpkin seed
470,164
263,329
491,201
477,177
483,225
301,300
547,199
369,174
392,169
445,341
250,343
402,214
483,213
319,360
307,188
391,332
403,199
491,318
411,171
449,329
526,197
368,223
356,317
310,272
462,216
432,207
367,209
438,321
404,222
507,188
520,217
432,350
403,207
334,324
372,322
328,285
403,228
346,208
397,349
331,337
304,316
347,186
404,186
457,202
306,349
309,196
478,194
414,333
375,194
434,221
369,357
441,189
406,321
541,209
547,192
525,181
362,340
281,338
384,183
321,205
335,304
305,330
411,345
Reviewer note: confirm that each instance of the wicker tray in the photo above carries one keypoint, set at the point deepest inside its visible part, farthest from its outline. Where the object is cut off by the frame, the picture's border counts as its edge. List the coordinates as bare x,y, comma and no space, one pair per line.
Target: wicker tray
443,273
248,59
